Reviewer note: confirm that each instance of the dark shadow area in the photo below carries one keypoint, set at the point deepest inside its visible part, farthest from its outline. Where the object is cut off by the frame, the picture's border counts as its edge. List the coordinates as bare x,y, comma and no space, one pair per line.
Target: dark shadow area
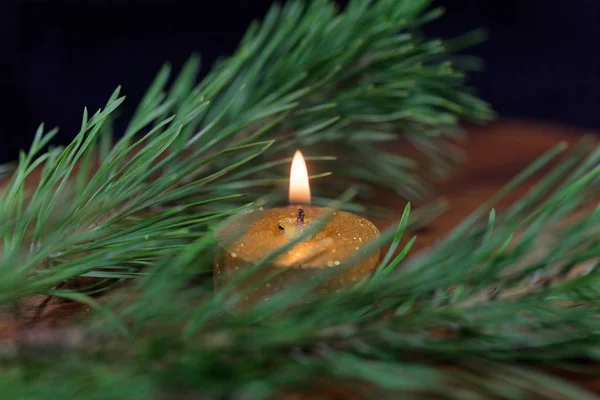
58,56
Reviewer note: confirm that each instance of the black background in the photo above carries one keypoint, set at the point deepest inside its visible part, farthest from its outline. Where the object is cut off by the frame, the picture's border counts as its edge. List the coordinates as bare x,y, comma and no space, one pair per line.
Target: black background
542,58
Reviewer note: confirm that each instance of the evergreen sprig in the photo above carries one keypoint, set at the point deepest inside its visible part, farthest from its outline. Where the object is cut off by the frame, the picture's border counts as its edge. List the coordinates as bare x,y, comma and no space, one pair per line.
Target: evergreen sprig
101,208
452,322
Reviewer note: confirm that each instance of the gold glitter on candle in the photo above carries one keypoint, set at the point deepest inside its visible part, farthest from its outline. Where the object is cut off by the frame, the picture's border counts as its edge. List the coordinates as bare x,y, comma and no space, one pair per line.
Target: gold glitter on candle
267,230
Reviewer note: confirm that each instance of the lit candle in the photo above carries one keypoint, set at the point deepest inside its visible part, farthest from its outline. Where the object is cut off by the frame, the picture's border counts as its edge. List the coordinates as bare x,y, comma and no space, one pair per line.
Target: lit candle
267,230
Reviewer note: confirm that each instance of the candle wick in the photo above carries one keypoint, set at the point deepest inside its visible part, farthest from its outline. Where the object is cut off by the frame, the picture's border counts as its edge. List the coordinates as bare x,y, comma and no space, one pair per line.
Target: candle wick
300,222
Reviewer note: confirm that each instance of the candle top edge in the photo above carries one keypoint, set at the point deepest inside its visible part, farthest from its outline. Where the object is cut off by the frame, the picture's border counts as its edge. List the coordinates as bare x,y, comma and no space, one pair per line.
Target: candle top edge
259,234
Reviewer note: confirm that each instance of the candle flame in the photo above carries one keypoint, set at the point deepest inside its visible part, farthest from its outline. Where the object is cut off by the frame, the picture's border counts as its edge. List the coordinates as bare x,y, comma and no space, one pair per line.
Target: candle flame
299,186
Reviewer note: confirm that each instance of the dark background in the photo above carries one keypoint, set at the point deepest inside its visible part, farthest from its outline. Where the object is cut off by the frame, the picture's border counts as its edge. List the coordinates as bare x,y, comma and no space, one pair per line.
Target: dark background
57,56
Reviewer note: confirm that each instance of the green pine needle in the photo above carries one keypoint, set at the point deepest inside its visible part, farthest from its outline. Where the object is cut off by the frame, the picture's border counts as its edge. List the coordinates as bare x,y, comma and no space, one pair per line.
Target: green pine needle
144,210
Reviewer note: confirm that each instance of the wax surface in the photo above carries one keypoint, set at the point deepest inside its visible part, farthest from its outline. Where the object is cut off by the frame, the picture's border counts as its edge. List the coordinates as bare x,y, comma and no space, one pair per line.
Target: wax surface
342,236
260,232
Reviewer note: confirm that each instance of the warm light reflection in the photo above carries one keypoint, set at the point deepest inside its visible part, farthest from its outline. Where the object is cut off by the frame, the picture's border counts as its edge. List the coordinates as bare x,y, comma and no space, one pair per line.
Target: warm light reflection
299,186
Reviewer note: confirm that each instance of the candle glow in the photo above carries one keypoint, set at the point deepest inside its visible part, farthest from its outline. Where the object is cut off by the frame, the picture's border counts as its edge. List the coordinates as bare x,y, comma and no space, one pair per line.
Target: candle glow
299,192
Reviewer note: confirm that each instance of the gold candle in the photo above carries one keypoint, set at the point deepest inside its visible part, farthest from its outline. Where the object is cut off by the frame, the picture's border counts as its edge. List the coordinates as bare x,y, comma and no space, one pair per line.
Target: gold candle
267,230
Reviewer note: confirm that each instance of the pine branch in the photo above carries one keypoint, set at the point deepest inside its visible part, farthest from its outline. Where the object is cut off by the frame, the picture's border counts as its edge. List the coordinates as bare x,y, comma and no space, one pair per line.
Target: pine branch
102,208
503,288
430,313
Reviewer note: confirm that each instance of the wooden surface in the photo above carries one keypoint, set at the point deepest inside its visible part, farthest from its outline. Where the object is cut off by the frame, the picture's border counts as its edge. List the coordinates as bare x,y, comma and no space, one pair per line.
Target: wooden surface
494,154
